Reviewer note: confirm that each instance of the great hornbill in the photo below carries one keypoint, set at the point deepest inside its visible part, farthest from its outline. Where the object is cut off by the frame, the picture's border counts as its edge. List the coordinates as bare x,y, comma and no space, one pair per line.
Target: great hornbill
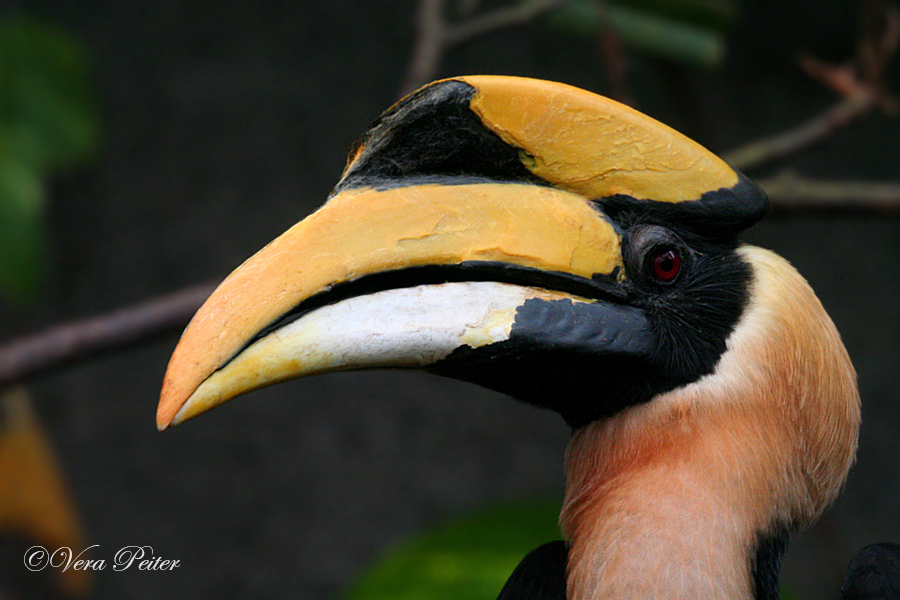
577,255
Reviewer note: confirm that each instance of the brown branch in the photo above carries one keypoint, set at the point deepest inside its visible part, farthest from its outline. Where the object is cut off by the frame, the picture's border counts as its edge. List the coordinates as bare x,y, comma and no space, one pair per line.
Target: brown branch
791,192
858,82
58,345
502,18
429,47
434,36
614,56
817,129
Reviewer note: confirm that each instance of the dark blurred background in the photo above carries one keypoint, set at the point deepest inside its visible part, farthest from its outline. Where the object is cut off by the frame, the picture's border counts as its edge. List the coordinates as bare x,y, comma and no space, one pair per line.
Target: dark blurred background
221,123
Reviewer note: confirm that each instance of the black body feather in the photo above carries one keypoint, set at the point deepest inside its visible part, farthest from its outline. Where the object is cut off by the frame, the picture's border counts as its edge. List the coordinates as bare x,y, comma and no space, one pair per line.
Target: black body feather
873,574
540,576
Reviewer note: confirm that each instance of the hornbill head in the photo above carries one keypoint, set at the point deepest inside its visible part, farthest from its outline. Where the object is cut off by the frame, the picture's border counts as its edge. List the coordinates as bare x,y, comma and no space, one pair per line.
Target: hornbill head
577,255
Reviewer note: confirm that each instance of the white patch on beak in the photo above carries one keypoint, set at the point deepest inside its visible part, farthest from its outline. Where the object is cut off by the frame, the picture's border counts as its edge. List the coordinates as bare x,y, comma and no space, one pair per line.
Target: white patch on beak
408,327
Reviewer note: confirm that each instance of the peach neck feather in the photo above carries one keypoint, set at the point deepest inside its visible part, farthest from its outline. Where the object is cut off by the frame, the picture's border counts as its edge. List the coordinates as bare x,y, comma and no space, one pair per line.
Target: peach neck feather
671,499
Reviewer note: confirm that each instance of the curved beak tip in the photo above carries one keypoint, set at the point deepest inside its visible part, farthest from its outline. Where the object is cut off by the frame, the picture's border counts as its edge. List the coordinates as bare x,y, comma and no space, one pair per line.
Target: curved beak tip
170,415
164,416
167,411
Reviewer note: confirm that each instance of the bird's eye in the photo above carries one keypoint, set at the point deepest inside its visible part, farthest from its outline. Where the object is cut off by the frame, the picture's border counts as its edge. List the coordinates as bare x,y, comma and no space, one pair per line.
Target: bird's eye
665,264
655,255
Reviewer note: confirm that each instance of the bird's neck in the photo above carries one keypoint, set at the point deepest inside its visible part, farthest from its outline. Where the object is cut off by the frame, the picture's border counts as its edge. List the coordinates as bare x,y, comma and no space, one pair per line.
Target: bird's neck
668,516
692,494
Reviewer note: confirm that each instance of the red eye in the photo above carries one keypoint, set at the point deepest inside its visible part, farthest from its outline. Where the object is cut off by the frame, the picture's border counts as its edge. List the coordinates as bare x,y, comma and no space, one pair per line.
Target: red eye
666,265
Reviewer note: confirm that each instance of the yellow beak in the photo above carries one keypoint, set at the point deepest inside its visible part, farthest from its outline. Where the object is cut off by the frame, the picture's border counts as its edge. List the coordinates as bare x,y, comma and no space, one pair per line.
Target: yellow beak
490,180
360,233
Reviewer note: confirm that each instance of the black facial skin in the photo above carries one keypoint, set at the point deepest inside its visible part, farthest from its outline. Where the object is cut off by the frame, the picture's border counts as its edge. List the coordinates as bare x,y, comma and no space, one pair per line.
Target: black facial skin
590,361
692,316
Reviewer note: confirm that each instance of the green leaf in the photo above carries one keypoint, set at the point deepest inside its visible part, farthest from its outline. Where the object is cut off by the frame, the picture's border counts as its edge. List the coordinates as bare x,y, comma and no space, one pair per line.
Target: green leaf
469,558
48,121
711,14
645,32
789,594
22,236
48,117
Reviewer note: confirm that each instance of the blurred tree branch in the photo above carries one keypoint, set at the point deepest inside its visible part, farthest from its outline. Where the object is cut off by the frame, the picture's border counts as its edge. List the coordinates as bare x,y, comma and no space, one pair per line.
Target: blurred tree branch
790,192
435,36
779,146
859,83
513,16
60,344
